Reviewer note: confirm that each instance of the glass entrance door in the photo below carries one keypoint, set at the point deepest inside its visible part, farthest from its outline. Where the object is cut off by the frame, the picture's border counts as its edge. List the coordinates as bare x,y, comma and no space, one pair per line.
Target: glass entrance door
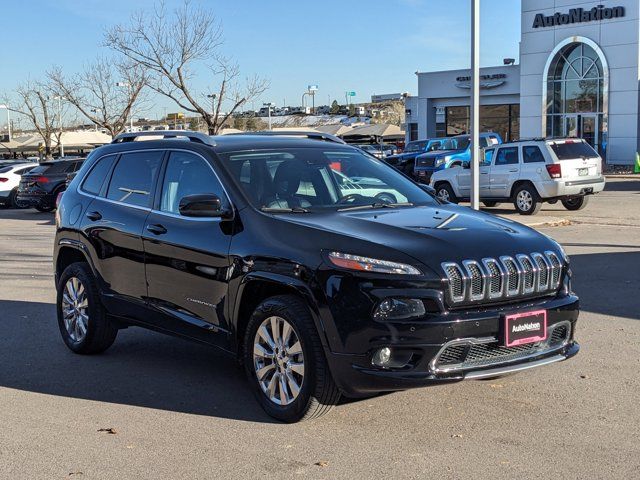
584,125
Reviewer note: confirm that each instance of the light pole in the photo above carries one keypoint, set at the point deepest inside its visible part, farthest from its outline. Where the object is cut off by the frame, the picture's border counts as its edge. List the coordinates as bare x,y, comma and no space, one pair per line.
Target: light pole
96,110
128,86
8,119
268,105
60,143
475,104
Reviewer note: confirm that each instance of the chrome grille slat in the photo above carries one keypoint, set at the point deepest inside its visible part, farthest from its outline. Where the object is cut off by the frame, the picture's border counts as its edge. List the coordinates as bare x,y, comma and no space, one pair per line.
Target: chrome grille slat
502,278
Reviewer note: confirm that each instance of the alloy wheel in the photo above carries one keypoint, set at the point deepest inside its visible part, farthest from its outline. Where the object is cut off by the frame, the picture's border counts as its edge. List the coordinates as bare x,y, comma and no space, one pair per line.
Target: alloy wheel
278,360
75,305
524,200
443,194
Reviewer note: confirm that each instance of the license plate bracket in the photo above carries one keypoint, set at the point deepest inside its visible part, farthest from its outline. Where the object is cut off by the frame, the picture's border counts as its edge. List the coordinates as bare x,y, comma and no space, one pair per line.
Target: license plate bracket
583,172
526,327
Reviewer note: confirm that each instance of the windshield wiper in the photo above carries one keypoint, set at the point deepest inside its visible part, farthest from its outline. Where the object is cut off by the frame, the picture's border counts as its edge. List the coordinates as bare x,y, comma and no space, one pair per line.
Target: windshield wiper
376,205
284,210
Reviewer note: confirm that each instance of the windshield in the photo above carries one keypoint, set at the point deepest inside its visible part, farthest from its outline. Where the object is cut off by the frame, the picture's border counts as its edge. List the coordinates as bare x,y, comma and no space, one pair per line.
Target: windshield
455,143
314,178
573,150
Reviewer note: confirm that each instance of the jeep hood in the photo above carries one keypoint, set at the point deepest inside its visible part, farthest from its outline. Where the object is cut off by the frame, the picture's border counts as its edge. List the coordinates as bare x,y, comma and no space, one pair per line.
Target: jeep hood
430,234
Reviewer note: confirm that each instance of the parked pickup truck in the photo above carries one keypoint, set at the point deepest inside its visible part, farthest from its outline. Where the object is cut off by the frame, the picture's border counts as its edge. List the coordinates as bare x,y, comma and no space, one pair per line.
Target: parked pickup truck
453,152
405,161
529,173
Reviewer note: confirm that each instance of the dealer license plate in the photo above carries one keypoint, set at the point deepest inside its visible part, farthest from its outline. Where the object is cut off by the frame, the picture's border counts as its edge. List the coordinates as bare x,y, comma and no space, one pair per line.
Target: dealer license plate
523,328
583,171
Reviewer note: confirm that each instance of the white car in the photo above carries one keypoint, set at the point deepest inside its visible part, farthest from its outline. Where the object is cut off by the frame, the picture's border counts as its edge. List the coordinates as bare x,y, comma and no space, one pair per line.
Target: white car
9,179
528,173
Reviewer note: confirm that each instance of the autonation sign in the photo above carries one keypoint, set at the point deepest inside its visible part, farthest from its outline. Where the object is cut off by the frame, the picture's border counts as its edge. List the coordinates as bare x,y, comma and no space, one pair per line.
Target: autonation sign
578,15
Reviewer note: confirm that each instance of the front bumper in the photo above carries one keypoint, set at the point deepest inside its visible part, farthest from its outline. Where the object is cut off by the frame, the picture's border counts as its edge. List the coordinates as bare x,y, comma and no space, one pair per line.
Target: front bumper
425,173
356,375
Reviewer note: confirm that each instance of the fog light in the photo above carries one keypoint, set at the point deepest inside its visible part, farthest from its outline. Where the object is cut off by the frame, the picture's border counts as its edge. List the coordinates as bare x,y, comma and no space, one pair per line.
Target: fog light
382,357
399,309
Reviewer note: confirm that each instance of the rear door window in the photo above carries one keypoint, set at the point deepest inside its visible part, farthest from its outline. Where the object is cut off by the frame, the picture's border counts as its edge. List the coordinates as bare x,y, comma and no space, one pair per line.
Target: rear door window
573,150
93,182
507,156
134,178
532,154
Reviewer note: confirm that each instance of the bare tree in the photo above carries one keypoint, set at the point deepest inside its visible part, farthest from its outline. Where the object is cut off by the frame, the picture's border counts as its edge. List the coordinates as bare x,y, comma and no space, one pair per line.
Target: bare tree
173,46
105,92
37,103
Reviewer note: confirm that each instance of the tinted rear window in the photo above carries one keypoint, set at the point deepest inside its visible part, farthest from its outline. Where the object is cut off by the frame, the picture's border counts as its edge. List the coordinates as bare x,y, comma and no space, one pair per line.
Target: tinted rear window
53,168
5,169
133,178
94,181
573,150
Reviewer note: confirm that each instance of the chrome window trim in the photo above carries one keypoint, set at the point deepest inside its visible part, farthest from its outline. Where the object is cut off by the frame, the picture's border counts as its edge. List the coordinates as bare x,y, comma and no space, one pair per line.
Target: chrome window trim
149,209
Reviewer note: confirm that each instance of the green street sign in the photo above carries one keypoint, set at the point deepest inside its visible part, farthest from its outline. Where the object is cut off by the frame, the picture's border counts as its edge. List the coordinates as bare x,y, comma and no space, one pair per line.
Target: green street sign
351,94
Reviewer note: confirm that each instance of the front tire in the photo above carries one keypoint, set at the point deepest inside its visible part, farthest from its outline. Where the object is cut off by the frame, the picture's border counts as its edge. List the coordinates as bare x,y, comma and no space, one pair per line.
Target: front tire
285,363
445,192
82,319
45,208
575,203
526,200
13,200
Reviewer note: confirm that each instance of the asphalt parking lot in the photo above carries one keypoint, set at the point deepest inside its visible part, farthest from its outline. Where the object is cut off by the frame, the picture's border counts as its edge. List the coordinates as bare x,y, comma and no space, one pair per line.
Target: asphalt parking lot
180,410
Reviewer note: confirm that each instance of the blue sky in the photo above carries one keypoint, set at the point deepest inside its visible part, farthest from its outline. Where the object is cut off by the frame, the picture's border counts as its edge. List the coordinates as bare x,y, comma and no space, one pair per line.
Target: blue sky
370,46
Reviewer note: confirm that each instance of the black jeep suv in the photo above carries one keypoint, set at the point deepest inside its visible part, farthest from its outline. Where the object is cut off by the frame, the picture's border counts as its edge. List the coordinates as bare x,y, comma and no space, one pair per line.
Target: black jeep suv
324,270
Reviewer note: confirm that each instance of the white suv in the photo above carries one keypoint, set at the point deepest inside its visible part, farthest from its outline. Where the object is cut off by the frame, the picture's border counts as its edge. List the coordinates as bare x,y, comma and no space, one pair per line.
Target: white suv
9,179
528,173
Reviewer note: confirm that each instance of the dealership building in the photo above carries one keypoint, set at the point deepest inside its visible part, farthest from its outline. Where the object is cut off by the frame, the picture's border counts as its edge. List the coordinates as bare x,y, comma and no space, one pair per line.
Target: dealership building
577,76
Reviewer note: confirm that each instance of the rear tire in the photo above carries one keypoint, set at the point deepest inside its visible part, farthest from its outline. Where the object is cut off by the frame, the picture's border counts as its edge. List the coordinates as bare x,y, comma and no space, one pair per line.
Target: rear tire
490,204
526,200
311,392
445,192
45,209
575,203
13,200
82,319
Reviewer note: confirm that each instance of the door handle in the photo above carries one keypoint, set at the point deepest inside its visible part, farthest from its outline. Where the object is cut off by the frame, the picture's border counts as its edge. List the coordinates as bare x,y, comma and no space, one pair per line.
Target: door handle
156,229
94,216
513,171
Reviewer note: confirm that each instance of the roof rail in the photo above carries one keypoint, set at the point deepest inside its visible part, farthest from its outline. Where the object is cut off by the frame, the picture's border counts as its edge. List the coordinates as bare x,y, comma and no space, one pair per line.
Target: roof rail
192,136
327,137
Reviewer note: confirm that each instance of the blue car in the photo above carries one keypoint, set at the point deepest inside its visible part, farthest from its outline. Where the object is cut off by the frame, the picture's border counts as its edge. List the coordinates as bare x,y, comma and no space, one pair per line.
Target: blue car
405,161
453,151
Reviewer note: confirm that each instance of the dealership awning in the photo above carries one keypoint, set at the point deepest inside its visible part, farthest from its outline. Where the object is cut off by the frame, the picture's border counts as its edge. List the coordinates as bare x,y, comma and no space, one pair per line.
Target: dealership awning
374,133
71,140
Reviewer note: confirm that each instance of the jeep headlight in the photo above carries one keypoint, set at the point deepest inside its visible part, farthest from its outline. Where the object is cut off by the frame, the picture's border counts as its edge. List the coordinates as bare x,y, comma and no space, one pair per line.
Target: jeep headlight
366,264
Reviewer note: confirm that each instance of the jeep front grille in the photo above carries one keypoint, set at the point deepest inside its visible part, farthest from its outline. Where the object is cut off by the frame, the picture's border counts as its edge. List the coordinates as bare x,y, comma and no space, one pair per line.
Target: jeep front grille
506,277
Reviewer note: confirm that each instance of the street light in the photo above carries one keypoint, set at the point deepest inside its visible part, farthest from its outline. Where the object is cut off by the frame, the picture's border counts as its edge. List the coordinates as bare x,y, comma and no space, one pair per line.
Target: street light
96,110
213,97
60,143
128,86
8,119
268,105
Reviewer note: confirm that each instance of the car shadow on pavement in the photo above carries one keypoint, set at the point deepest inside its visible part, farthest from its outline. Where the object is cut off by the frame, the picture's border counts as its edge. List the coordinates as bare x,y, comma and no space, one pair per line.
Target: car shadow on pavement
627,186
608,283
142,368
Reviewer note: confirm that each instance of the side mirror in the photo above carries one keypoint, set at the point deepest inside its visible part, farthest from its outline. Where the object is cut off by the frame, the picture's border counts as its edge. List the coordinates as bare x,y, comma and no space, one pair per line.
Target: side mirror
428,188
205,205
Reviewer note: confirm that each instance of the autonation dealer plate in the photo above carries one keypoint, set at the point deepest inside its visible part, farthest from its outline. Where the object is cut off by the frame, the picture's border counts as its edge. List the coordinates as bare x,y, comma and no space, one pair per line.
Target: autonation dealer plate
522,328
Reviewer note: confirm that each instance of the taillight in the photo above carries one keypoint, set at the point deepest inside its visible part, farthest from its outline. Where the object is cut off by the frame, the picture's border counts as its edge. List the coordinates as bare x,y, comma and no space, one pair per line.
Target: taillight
555,170
42,180
2,179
